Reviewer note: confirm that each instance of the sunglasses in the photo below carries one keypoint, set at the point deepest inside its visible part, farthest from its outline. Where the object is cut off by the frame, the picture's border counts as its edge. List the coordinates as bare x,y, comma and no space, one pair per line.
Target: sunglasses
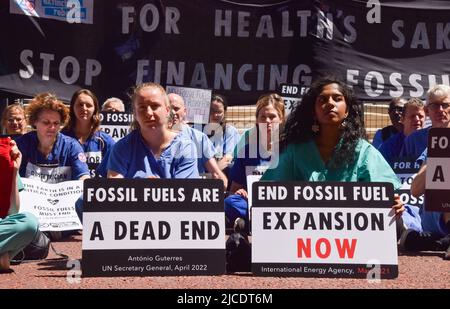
398,109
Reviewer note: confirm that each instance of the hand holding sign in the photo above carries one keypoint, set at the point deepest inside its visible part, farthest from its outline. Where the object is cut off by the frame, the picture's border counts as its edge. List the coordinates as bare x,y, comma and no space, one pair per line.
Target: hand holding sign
398,207
242,193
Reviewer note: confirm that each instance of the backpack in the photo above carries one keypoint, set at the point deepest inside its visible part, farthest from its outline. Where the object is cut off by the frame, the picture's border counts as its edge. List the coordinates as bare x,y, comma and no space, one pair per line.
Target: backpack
36,250
238,253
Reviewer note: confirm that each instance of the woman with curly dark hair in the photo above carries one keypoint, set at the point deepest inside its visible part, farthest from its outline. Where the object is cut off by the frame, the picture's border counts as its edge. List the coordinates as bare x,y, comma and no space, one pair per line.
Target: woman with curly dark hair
48,155
334,122
324,140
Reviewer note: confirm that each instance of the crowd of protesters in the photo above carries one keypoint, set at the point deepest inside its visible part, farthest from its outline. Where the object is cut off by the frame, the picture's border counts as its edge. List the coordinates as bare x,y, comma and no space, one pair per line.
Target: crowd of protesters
323,139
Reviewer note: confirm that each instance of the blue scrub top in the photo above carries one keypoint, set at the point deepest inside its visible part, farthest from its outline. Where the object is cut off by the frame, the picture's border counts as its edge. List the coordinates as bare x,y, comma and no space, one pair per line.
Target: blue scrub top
131,158
391,149
204,148
249,162
65,162
97,142
95,148
415,144
224,142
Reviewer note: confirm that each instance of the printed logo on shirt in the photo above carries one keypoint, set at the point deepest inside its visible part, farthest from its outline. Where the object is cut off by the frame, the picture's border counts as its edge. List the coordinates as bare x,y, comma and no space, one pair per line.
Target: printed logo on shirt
82,157
93,157
48,174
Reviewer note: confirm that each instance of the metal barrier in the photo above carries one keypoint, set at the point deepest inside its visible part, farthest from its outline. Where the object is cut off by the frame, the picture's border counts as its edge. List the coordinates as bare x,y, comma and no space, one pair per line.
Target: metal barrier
375,117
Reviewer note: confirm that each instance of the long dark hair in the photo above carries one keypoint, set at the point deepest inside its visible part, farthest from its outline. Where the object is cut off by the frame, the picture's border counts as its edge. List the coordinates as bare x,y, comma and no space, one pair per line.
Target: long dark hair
298,128
95,121
222,100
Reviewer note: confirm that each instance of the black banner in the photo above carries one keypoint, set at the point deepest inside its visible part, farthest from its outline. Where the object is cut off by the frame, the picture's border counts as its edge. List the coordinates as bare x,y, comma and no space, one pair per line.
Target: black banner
168,195
140,227
322,194
161,262
238,49
437,186
361,271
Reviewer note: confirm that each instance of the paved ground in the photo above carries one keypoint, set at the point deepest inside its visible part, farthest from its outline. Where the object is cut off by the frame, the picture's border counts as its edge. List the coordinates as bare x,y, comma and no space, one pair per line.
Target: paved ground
427,270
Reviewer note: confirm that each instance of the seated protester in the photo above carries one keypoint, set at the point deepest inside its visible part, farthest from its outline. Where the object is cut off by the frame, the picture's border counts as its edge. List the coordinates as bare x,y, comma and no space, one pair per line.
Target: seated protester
223,135
14,122
152,150
48,155
433,231
17,230
204,149
113,105
412,118
324,140
84,126
254,157
438,109
395,110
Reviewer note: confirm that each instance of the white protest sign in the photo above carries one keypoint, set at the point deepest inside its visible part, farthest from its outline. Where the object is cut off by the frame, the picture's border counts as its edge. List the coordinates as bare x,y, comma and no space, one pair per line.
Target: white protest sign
138,227
250,180
292,96
406,171
197,101
116,124
323,229
52,204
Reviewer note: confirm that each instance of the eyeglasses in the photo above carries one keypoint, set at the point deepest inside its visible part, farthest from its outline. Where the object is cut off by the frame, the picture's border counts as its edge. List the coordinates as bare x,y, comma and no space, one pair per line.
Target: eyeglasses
397,109
48,123
436,106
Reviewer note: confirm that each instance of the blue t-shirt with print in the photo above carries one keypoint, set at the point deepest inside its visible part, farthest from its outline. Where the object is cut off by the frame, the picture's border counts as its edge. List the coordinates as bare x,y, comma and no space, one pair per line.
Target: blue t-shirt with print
131,158
95,148
66,160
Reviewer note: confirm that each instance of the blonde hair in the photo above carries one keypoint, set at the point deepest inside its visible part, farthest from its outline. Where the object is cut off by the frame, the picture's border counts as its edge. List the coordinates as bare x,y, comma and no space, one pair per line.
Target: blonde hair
413,102
7,110
135,125
271,99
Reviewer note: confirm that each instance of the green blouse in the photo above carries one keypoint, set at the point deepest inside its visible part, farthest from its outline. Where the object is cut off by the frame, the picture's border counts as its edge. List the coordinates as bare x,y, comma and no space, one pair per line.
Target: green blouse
302,162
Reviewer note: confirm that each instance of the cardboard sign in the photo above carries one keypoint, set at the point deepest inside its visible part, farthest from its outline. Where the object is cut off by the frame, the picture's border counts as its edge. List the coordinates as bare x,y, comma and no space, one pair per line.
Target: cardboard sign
329,229
52,204
197,101
153,227
116,124
437,184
